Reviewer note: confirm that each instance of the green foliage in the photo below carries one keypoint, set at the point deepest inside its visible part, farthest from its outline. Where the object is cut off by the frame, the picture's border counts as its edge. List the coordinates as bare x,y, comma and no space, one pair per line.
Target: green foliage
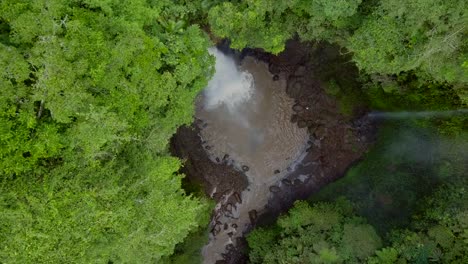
189,251
439,234
268,24
91,93
425,34
348,98
321,233
247,25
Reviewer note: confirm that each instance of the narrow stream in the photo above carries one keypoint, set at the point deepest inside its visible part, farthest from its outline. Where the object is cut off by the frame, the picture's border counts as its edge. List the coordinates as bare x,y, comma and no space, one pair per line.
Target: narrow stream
246,117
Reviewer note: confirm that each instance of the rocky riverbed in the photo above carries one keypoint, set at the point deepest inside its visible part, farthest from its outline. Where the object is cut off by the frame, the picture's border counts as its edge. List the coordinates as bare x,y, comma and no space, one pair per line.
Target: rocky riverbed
335,141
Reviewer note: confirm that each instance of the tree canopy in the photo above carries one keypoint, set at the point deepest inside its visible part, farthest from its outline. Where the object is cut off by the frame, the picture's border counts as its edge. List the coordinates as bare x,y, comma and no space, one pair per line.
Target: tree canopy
92,90
321,233
268,24
91,93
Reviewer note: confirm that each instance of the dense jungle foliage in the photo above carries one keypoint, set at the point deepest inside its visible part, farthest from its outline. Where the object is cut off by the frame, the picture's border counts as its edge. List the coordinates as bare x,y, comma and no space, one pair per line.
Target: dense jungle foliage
92,90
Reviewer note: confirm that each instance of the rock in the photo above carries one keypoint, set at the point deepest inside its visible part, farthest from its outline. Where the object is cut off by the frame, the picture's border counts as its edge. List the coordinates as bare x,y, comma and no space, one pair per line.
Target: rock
237,197
225,157
275,77
286,182
273,68
297,182
321,132
207,147
276,171
216,229
234,225
205,125
245,168
294,118
253,216
294,88
297,108
300,71
226,226
289,169
217,159
229,247
301,124
274,189
228,208
230,234
198,122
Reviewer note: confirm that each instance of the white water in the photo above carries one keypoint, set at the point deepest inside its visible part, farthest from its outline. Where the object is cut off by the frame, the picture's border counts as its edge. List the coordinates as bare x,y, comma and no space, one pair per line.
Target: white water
229,86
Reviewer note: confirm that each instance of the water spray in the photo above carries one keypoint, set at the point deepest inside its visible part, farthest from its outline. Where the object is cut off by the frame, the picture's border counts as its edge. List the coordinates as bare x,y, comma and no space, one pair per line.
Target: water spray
417,114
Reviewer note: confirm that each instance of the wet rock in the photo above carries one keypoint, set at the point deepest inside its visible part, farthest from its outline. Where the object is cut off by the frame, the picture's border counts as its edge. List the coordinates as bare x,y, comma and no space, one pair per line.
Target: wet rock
226,226
198,122
230,234
228,208
321,132
245,168
229,247
253,216
216,229
297,108
286,182
234,225
276,172
275,77
274,68
301,124
300,71
237,197
294,118
294,88
274,189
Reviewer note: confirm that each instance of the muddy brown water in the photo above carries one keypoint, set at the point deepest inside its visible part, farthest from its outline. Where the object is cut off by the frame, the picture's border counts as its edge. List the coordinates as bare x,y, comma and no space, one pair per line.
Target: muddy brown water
245,118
